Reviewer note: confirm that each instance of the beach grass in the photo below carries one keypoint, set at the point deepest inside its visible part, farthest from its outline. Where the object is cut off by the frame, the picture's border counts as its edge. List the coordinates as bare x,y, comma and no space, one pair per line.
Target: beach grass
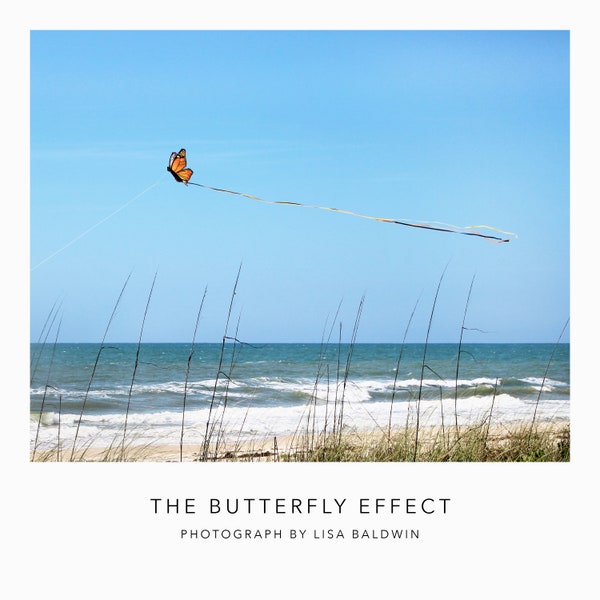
546,442
517,443
332,440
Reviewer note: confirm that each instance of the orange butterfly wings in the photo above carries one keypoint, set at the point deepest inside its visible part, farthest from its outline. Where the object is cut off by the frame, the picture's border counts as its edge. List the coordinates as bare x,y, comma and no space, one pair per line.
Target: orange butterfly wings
177,167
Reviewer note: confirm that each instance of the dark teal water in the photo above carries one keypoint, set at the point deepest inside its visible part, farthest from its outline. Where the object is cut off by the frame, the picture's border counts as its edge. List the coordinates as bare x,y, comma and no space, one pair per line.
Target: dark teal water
268,387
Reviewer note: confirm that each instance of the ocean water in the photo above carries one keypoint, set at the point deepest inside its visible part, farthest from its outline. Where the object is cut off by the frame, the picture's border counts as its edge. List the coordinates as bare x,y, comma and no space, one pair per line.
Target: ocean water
273,390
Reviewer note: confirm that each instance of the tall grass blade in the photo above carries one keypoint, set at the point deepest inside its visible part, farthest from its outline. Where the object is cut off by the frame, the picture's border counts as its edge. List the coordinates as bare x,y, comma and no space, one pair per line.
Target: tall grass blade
423,364
537,403
45,391
46,329
462,330
209,425
100,350
394,388
187,375
135,366
348,362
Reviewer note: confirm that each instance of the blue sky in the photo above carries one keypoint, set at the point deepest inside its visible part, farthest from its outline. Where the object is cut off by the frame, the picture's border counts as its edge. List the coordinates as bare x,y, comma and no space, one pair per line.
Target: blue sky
461,127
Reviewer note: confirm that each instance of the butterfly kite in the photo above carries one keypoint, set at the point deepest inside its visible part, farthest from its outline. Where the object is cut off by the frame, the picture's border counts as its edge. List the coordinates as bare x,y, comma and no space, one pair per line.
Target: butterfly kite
178,168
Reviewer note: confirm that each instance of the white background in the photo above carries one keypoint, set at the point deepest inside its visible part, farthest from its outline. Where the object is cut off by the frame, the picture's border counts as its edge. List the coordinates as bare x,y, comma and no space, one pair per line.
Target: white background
88,531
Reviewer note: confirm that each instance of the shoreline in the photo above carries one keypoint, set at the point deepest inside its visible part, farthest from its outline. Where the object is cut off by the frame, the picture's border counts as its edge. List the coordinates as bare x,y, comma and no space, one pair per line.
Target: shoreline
303,448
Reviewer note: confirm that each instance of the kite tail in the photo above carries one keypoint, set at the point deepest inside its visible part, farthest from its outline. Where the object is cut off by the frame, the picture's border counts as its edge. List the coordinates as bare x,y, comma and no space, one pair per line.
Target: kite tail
422,225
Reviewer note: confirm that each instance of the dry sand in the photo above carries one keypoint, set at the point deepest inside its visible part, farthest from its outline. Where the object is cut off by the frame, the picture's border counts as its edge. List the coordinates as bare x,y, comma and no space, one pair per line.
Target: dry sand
272,449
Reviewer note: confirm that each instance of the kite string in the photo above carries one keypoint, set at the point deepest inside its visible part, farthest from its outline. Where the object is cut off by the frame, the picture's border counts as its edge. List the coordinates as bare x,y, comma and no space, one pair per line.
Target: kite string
421,224
103,220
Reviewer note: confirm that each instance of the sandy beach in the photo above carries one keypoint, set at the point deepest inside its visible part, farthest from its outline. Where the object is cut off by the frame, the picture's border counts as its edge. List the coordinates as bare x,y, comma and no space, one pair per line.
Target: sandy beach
295,448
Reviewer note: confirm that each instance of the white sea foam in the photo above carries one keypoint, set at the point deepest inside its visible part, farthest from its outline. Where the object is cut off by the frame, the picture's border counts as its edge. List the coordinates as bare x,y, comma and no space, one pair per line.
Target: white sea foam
261,422
546,385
